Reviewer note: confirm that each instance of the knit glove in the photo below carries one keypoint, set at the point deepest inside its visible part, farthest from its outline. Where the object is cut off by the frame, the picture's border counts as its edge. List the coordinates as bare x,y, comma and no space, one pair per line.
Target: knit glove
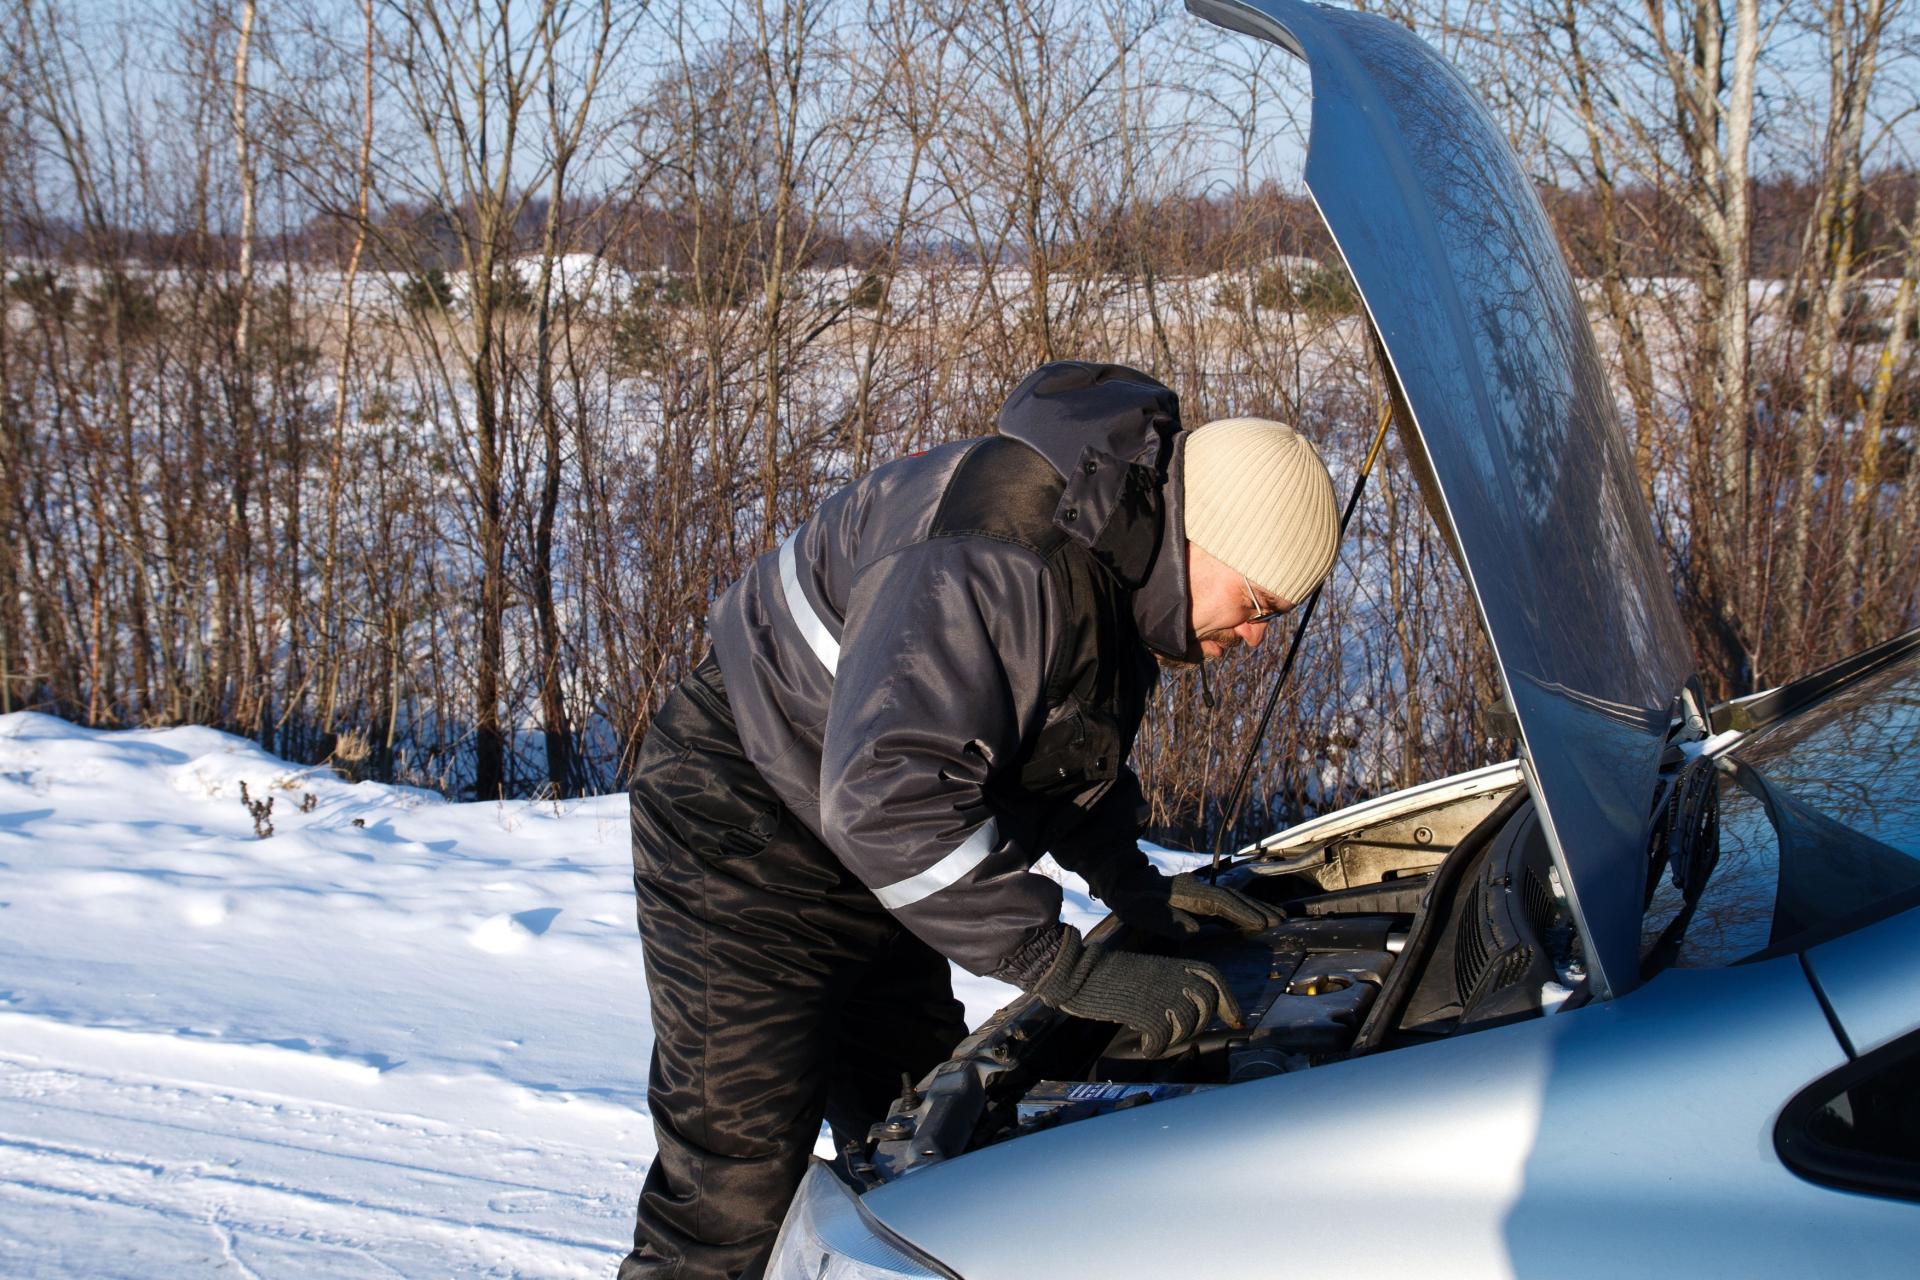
1170,905
1164,998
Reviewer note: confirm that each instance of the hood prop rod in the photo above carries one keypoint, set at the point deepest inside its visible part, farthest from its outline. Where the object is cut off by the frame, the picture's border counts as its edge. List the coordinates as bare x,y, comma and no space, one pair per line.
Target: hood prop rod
1239,792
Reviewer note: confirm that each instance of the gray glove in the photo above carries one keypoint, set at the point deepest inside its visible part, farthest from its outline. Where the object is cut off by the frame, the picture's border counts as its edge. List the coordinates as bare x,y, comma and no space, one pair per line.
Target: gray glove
1164,998
1169,905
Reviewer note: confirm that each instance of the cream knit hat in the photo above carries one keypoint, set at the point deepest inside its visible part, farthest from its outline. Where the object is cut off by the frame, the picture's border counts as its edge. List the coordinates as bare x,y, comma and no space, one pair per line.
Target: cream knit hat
1258,498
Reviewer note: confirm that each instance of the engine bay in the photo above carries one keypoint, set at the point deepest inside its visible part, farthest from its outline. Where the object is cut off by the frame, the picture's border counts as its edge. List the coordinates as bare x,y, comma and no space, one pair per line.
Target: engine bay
1304,987
1458,939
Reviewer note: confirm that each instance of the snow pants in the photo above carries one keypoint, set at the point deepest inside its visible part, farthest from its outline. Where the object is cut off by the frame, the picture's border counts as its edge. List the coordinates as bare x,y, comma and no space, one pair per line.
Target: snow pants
781,991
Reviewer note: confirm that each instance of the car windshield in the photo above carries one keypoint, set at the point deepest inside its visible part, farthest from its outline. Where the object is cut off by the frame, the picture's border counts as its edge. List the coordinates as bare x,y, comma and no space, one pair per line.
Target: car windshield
1819,824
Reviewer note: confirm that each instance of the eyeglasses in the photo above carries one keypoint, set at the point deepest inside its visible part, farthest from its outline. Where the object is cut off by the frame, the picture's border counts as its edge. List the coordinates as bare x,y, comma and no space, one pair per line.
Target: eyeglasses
1260,616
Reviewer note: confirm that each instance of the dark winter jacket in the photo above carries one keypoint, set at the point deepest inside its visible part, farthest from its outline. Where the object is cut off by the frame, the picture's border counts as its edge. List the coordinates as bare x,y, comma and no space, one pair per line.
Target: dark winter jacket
941,673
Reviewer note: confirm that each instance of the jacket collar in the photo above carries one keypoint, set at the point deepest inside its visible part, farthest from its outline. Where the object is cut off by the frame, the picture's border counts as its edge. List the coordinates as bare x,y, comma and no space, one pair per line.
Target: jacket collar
1114,435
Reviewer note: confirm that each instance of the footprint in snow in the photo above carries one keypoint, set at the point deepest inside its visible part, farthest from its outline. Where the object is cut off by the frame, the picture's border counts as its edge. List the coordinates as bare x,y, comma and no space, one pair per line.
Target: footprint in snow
519,1201
510,932
205,910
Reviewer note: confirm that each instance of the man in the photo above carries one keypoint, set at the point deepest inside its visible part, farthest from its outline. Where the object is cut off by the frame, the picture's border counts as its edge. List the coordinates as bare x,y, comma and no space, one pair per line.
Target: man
932,682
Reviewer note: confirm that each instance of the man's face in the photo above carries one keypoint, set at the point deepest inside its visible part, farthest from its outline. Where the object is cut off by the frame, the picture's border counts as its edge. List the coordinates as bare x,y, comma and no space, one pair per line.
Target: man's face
1223,605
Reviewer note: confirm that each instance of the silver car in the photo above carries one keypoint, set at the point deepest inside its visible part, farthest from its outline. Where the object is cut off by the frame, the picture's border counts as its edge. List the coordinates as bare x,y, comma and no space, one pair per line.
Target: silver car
1644,1001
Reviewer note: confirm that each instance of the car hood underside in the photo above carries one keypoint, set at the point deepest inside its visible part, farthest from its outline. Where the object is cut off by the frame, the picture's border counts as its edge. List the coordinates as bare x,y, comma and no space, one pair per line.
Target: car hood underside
1506,414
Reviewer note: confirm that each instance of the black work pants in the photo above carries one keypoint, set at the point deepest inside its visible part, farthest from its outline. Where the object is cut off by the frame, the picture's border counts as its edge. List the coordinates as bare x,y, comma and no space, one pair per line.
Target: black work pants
781,991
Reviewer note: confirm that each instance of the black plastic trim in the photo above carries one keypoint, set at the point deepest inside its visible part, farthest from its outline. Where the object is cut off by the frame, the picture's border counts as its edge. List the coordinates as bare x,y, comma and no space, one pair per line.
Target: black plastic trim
1388,1006
1835,1167
1762,709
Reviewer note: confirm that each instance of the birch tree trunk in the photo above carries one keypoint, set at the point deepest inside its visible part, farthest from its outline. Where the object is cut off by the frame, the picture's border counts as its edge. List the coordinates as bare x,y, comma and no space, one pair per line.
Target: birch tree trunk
1710,71
564,135
467,82
334,639
1852,31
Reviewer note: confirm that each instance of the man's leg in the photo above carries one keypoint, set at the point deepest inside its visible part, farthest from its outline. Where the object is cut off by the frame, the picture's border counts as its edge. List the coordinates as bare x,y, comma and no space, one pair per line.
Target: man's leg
900,1019
736,1091
743,979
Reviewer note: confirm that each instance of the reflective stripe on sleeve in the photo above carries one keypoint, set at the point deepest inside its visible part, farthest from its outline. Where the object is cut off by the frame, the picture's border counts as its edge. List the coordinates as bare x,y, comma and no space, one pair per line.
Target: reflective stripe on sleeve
813,628
904,893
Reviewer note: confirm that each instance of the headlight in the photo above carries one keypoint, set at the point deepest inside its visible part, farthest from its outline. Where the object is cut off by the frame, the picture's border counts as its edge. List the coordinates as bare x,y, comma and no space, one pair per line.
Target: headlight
826,1237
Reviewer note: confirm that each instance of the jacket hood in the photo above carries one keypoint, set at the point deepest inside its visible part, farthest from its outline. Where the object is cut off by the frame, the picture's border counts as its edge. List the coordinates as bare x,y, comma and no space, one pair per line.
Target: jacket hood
1114,435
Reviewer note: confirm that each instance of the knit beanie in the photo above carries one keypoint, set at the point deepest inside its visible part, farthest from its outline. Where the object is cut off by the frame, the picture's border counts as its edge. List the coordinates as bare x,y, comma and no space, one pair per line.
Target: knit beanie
1258,498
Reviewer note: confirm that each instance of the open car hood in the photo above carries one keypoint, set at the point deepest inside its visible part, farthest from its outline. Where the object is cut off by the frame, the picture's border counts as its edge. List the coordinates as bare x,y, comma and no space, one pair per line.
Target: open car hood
1509,413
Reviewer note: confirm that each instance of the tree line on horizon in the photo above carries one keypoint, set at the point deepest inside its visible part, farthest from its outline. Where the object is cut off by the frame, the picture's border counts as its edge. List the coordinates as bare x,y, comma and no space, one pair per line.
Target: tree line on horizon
1195,233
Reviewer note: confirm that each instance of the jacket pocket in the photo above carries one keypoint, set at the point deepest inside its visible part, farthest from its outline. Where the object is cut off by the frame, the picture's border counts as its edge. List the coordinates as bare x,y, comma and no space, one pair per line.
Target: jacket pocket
1077,751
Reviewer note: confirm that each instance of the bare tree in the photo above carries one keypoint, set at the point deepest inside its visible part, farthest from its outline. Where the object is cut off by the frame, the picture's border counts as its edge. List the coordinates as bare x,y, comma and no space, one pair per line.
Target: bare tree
819,233
333,637
1853,30
467,78
566,127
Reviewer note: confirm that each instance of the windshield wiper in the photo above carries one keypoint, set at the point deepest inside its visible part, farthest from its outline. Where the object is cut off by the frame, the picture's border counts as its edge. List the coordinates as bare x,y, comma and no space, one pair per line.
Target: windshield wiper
1686,842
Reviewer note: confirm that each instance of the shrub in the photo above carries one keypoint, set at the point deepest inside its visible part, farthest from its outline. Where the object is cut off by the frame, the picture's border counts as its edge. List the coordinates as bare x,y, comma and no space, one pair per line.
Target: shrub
1321,291
130,301
1325,292
867,294
1859,318
376,408
41,289
639,339
1272,290
510,293
426,291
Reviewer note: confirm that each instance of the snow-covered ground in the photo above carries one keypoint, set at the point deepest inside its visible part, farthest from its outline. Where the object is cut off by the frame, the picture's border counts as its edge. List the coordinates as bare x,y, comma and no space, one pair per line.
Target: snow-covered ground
397,1036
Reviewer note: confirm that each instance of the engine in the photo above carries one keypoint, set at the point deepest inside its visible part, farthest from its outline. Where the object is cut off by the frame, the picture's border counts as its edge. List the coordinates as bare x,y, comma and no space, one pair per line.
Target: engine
1481,937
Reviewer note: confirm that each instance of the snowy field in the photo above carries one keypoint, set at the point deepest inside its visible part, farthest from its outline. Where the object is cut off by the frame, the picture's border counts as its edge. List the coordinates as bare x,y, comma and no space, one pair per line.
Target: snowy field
396,1037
